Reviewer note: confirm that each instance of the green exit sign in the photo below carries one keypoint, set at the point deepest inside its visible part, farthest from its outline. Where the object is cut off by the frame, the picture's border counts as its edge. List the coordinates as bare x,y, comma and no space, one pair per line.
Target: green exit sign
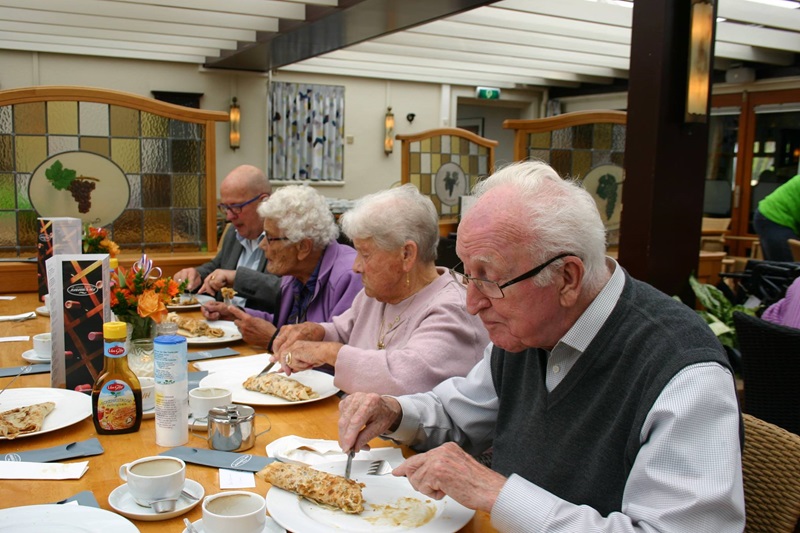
487,93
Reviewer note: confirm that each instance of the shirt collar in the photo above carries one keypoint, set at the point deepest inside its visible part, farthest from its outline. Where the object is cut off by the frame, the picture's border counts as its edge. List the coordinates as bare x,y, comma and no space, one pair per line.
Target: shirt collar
583,331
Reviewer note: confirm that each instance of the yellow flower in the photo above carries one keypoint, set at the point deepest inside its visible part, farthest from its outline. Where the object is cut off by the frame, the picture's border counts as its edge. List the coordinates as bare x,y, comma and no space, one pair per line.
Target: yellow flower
151,305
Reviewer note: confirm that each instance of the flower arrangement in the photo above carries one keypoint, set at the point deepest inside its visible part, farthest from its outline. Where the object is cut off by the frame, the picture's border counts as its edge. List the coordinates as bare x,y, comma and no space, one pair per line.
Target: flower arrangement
140,295
96,241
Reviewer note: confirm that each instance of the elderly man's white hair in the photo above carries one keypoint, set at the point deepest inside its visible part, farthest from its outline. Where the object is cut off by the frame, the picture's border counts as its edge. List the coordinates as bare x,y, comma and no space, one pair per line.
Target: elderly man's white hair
560,216
301,213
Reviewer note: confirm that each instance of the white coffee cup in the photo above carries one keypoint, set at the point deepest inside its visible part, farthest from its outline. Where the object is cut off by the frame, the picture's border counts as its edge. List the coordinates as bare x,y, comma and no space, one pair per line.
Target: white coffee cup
42,345
236,510
46,301
203,399
154,478
148,393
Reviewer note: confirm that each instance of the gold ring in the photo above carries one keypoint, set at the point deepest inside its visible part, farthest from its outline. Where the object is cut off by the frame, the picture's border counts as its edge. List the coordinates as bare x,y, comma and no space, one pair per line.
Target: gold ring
212,276
289,358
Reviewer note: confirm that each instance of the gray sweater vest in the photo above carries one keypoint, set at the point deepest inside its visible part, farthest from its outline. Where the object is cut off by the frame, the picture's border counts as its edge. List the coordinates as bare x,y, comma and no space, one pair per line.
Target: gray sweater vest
580,441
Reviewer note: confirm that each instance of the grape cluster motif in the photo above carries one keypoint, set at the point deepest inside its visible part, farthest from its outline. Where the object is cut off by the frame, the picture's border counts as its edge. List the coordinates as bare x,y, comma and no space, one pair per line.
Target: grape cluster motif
80,187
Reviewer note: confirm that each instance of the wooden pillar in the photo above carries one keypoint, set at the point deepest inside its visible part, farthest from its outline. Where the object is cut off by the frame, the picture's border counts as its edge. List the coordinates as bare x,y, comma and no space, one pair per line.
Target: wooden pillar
665,157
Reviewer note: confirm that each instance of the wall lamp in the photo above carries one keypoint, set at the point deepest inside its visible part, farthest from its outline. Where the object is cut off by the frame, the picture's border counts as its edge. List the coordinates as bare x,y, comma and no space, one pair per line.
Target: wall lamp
234,118
701,44
388,126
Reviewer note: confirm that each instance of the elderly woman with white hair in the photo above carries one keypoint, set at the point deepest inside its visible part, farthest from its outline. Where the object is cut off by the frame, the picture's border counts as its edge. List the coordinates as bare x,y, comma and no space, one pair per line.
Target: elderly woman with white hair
409,329
317,281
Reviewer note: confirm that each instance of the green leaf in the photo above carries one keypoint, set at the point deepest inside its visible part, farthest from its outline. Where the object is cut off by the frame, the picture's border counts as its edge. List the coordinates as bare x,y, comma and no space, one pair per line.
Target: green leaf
60,177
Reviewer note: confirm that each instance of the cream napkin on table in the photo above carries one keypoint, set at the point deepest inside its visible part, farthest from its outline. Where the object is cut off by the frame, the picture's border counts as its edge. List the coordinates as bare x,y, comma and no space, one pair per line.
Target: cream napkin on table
254,363
29,314
26,470
22,338
294,449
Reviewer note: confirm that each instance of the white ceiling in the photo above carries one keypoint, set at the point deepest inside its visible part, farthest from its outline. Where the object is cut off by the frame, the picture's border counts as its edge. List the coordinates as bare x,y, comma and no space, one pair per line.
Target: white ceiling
510,43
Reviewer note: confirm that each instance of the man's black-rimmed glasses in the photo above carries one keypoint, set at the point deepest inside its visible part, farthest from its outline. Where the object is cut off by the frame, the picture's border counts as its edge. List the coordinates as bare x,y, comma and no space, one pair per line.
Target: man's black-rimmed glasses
236,209
493,289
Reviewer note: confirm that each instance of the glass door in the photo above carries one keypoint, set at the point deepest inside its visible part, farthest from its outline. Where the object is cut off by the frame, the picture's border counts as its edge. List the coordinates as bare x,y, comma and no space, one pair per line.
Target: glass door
754,147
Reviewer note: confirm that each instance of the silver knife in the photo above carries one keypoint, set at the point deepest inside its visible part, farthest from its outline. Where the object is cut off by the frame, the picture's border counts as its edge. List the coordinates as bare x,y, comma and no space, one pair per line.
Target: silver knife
349,464
266,369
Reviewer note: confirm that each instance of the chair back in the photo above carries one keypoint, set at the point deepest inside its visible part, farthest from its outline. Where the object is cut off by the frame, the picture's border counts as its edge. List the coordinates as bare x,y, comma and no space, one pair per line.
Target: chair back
771,370
713,234
771,475
794,246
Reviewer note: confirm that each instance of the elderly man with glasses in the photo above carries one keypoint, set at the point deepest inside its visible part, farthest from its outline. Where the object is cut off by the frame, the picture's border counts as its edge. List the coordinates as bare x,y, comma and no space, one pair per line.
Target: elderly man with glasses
608,406
240,263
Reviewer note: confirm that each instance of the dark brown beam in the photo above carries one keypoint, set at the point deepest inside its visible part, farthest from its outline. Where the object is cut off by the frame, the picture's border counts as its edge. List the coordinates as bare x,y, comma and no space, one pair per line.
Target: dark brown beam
341,28
665,158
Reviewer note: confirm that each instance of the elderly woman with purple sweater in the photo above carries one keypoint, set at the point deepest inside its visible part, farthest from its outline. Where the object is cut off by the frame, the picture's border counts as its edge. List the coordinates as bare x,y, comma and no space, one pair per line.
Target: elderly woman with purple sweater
409,329
317,280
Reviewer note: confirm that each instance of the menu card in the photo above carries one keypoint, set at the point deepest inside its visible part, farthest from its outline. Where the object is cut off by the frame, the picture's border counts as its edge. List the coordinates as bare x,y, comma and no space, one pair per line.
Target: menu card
79,305
57,235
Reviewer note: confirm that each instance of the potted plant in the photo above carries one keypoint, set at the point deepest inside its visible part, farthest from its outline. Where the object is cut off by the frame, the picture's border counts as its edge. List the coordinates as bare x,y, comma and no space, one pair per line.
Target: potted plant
718,312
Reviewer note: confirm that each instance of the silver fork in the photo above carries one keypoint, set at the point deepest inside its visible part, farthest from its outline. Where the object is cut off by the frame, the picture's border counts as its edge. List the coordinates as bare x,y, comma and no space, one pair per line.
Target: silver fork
379,468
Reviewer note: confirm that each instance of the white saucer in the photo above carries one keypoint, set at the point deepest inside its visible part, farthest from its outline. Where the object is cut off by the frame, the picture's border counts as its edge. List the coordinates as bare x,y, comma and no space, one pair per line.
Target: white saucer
122,502
42,310
32,357
270,527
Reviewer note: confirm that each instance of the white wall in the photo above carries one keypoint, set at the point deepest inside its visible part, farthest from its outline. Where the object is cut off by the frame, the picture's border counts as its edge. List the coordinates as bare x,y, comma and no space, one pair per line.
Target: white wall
367,169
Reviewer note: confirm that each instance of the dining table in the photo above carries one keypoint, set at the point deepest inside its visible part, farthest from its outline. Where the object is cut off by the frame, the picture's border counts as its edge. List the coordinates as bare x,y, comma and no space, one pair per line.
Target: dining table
315,420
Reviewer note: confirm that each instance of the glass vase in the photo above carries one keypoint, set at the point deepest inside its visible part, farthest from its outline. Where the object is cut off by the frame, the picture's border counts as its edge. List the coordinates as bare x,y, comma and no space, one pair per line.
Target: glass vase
140,328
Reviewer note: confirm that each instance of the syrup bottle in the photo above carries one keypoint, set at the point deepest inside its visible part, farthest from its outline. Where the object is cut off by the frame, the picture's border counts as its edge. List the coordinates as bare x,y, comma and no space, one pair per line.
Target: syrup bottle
117,394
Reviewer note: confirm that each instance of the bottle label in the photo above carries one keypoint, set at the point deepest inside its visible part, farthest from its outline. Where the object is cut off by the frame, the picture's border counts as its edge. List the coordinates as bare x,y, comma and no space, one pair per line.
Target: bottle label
114,349
116,406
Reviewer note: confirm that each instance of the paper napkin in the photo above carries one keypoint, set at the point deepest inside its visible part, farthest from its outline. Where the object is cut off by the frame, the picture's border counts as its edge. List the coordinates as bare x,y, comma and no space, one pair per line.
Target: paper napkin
23,338
26,470
30,314
247,363
299,450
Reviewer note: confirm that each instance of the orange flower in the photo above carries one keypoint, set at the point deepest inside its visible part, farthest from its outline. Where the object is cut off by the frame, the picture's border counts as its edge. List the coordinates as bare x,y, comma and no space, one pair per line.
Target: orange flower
150,305
111,246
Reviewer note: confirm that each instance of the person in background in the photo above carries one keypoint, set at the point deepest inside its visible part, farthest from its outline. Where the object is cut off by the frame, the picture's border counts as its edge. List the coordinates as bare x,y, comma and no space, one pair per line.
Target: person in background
786,311
777,219
317,283
239,263
408,329
609,405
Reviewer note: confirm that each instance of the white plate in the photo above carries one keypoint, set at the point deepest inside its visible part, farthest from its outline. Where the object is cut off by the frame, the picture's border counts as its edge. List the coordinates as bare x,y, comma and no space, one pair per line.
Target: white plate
63,519
229,328
299,514
269,527
201,299
71,406
43,310
320,382
123,503
32,357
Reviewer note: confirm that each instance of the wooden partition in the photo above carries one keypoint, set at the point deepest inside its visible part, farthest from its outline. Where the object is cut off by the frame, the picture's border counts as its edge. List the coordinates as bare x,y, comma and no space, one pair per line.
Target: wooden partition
586,145
165,155
445,164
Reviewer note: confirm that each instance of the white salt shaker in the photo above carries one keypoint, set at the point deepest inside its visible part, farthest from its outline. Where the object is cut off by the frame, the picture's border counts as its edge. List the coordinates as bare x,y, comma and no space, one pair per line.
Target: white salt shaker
172,390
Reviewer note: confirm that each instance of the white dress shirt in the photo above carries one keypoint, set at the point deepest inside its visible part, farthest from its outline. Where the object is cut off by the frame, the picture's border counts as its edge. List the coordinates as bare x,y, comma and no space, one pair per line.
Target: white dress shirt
687,475
249,258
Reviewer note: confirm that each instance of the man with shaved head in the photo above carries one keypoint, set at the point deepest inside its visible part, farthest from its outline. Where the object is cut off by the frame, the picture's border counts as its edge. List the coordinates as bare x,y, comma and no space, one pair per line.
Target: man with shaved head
240,263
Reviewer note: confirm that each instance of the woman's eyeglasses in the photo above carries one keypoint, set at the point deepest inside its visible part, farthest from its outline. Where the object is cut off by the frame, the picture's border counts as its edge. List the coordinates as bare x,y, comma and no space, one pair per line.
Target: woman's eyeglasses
236,209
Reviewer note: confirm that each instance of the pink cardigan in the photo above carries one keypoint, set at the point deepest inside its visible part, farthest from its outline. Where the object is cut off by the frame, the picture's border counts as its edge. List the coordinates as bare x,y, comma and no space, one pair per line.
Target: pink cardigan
434,339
